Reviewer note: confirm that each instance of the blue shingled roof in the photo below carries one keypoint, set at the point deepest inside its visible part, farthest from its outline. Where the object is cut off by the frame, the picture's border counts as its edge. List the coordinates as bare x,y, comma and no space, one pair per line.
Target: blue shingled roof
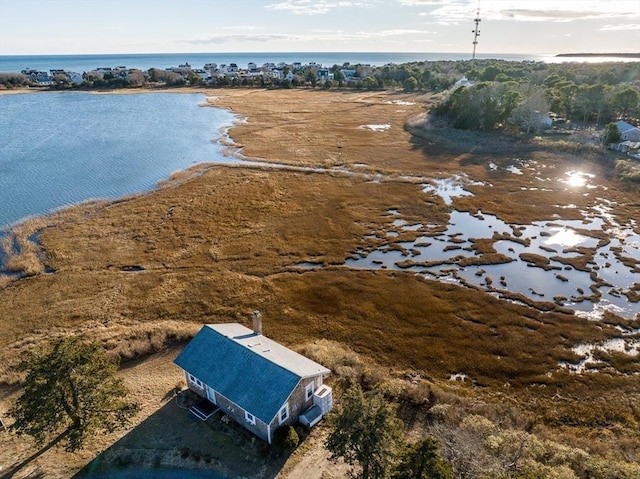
251,381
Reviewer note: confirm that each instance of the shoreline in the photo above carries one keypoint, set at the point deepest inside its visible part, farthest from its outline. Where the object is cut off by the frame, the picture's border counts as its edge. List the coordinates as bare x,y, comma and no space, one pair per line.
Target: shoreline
222,150
114,91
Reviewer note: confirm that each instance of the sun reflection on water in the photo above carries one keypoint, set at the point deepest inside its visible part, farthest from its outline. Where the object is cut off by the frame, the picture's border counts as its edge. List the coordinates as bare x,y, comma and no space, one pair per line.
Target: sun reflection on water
577,179
565,237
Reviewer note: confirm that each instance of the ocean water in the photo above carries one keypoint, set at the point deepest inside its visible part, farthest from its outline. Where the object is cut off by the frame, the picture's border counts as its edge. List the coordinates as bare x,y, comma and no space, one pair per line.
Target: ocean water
83,63
57,148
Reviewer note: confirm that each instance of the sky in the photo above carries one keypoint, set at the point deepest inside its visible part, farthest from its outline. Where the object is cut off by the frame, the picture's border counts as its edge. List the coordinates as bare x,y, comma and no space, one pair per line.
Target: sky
41,27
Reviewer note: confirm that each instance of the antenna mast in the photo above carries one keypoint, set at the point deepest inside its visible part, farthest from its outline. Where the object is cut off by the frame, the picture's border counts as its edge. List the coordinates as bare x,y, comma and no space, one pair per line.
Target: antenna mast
476,31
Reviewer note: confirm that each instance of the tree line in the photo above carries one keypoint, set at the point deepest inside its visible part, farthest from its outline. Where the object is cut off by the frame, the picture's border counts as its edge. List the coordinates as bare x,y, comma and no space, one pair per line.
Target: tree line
523,97
574,90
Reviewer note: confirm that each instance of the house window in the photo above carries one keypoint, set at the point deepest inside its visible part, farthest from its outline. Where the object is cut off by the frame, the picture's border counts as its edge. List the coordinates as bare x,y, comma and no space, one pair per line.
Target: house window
308,391
283,415
251,419
195,380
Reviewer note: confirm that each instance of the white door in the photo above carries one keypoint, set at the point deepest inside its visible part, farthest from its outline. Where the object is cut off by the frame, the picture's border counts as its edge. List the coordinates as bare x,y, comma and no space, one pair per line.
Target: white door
211,395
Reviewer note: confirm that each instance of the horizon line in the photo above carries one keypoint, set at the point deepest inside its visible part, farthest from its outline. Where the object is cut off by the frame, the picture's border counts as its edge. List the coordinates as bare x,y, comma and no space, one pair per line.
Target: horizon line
289,52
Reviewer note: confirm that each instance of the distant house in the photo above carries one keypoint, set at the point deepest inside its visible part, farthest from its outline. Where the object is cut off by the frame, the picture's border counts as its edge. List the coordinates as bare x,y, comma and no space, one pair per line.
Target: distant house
203,74
324,74
628,132
348,73
275,74
43,79
464,82
75,78
259,383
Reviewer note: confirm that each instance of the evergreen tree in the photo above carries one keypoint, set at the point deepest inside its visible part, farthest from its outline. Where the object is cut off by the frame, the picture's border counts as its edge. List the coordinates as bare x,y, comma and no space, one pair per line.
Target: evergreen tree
365,431
612,134
423,461
71,388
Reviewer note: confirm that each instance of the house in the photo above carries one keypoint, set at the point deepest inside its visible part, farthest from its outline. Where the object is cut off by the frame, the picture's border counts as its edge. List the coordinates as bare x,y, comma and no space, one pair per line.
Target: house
348,73
631,148
43,79
463,82
628,132
324,74
275,74
204,75
256,381
75,78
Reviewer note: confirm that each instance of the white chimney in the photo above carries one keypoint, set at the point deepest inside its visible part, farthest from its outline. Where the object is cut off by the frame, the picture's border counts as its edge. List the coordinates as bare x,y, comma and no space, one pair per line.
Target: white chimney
257,322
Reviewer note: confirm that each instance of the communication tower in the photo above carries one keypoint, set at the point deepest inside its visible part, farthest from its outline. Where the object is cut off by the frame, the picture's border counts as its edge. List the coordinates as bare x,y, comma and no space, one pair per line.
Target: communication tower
476,31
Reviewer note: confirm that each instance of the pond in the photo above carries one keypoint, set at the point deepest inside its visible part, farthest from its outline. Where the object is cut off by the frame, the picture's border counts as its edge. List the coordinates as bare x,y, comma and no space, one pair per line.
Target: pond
588,265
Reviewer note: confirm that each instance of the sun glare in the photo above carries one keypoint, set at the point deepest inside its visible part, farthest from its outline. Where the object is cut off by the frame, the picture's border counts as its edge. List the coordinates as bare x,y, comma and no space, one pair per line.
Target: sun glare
577,179
565,237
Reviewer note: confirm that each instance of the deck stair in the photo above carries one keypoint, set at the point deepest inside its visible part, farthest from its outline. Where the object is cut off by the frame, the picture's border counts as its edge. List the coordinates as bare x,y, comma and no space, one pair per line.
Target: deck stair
204,409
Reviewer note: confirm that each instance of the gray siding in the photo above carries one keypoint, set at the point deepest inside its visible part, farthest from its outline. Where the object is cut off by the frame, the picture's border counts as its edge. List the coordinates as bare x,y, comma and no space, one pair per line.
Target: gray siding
297,402
238,414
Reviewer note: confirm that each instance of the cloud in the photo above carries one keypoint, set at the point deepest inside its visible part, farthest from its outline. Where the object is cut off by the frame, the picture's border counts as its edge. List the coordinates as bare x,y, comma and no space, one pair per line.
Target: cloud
242,28
420,3
522,14
398,32
531,11
313,7
312,36
219,39
617,28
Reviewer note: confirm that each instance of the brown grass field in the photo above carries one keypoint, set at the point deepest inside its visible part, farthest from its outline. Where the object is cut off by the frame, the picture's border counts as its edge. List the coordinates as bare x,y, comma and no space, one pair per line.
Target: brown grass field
141,274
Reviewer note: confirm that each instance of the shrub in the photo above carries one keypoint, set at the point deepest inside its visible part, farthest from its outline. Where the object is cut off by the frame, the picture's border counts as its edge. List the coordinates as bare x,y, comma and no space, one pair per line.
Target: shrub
286,438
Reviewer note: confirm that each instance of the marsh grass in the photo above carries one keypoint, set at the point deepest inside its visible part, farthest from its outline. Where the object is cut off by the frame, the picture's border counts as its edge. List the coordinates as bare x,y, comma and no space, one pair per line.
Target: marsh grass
537,260
220,244
122,342
20,254
6,279
484,434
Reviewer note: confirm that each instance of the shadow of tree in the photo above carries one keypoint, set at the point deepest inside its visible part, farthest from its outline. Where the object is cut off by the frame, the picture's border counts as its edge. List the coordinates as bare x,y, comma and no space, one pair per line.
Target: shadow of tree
172,441
442,143
15,469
